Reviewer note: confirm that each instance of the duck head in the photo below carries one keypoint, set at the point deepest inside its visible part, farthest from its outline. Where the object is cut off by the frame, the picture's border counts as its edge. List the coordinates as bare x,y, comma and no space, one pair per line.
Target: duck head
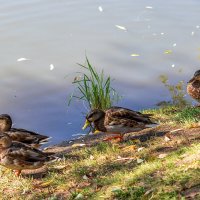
5,141
93,116
5,122
197,73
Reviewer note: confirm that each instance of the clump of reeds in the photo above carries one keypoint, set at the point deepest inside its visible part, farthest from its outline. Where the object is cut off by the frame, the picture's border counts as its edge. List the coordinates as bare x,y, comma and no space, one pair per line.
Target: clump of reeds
94,88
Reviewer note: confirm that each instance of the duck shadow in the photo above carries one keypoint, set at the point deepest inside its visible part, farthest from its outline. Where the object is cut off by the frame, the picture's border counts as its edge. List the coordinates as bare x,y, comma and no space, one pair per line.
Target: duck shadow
144,136
39,173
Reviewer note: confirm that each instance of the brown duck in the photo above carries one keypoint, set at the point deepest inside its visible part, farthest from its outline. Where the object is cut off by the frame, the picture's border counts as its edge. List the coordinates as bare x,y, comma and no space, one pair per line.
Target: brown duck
117,120
21,135
18,156
193,86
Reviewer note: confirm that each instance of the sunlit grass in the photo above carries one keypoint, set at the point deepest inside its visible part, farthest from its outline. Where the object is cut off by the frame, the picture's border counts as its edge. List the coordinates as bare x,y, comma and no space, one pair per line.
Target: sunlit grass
98,173
107,178
174,115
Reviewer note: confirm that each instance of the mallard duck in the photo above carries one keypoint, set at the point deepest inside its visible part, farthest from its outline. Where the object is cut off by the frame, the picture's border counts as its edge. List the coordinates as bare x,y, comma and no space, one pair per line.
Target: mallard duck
18,156
193,86
117,120
21,135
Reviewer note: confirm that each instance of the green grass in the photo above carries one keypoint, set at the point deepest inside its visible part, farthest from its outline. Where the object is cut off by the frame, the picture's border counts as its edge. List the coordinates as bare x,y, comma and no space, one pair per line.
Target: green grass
94,88
134,193
174,115
188,115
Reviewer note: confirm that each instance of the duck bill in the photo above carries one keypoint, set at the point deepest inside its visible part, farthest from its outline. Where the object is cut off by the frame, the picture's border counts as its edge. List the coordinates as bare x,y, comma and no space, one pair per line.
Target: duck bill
87,123
96,132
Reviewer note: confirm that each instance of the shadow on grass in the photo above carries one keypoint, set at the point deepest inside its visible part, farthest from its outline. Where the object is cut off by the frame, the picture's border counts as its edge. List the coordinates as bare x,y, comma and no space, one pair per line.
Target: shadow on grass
145,136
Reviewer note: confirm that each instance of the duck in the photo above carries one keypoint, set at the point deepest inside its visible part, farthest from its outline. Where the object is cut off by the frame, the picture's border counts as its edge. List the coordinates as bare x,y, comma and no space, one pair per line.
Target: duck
193,86
118,121
19,156
21,135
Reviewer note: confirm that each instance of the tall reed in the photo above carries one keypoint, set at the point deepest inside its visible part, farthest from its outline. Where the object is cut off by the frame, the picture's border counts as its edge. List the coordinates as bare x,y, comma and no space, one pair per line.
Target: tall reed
94,88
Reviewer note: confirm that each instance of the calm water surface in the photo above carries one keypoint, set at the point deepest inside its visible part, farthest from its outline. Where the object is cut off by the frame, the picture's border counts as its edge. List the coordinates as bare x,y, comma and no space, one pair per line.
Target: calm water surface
61,33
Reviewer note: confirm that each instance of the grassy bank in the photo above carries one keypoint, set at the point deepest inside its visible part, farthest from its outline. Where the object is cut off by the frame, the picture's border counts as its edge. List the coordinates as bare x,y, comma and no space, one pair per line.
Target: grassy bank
158,163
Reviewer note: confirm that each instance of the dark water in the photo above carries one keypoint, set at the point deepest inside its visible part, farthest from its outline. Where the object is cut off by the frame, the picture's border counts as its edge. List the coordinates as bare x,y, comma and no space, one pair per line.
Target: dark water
62,32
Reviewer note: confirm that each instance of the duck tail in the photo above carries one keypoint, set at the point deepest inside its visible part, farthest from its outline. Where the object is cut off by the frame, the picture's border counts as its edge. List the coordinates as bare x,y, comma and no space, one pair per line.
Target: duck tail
45,140
51,158
151,125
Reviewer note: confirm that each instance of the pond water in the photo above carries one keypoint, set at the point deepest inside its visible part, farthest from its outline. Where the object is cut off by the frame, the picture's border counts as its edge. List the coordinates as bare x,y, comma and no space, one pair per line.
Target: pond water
162,37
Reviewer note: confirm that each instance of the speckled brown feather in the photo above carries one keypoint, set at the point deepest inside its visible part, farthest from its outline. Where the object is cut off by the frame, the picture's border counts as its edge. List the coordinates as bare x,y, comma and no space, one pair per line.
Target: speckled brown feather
5,122
20,156
193,88
122,120
27,137
21,135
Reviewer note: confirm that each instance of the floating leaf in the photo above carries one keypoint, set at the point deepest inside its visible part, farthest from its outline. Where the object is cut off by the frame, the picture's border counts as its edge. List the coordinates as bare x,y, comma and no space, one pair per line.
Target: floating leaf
135,55
22,59
121,27
100,9
168,51
149,7
51,67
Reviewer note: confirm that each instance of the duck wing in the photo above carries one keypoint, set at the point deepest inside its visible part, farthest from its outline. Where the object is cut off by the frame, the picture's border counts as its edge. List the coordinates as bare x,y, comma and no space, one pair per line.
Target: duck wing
127,114
28,137
21,156
24,152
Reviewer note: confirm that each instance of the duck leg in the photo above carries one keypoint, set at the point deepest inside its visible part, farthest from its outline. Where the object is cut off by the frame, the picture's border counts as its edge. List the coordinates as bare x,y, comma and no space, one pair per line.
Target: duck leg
17,172
118,136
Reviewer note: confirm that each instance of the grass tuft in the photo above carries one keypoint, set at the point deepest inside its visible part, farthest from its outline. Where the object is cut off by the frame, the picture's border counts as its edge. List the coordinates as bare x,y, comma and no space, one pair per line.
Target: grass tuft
94,88
134,193
188,114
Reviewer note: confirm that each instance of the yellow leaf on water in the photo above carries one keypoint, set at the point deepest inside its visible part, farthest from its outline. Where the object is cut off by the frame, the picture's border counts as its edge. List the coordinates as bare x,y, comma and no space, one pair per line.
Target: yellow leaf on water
168,51
135,55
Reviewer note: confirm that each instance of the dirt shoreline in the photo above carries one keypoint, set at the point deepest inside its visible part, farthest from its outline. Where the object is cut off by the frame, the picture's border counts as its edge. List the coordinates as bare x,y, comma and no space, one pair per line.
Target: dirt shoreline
142,136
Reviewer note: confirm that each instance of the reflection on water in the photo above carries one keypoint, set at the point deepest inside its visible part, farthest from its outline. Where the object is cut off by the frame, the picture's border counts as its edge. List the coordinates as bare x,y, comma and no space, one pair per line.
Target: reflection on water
163,34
